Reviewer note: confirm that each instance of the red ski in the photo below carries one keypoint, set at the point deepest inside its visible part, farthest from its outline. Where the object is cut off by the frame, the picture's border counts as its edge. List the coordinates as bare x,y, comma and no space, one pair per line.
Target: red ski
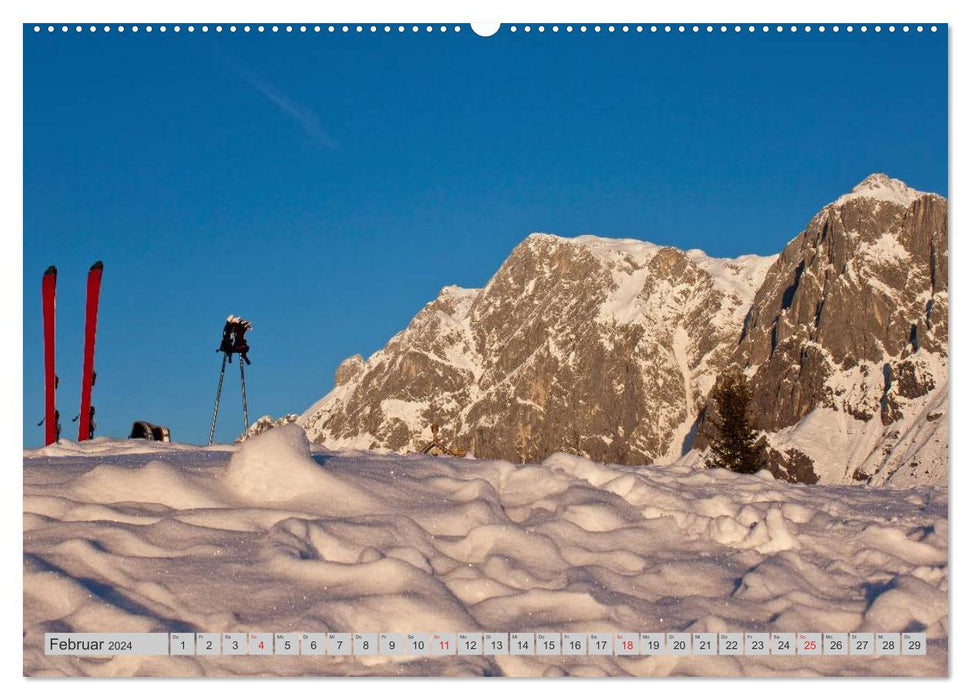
51,420
88,376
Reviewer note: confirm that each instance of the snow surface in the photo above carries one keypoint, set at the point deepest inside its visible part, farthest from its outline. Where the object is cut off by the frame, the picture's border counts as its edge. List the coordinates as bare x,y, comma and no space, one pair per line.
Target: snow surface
273,536
886,251
742,275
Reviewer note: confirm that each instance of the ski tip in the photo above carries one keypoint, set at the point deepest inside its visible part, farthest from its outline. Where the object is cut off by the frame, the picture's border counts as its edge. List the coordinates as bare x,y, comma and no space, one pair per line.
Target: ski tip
98,266
51,270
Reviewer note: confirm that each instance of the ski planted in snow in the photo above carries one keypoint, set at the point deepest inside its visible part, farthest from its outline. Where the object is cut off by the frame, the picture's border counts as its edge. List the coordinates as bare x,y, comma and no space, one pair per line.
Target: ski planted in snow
88,375
51,421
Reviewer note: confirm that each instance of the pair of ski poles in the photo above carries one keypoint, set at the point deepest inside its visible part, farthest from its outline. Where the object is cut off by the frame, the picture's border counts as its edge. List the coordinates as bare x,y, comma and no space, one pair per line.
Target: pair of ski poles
219,389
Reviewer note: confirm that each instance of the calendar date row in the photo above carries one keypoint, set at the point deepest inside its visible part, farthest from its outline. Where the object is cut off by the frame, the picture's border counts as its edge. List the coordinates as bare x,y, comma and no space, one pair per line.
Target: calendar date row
489,644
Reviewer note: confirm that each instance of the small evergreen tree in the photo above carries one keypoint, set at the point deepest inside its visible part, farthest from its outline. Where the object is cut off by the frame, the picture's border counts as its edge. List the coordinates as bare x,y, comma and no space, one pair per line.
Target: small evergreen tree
734,444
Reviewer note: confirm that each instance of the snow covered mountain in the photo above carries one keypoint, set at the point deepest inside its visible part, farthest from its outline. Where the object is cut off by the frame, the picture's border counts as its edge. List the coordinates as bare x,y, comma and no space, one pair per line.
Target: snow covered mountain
265,423
846,341
602,347
609,348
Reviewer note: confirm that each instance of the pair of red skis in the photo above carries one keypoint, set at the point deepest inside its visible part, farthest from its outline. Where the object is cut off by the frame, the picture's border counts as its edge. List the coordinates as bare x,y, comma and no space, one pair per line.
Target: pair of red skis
52,418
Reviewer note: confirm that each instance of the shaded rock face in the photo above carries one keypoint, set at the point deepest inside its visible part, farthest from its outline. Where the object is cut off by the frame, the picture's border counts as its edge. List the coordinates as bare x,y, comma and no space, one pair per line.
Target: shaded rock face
600,347
852,317
349,370
609,349
793,466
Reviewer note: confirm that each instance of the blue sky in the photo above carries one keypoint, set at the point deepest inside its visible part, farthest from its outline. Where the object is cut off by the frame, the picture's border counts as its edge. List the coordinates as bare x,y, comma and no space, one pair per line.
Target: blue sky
326,186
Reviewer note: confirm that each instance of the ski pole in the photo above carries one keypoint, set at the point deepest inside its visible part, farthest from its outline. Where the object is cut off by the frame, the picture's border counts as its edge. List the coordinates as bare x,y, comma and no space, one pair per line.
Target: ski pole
242,382
215,409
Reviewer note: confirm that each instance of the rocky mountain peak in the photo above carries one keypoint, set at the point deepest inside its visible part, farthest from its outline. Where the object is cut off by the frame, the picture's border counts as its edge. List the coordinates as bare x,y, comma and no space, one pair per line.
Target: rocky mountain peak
882,188
849,330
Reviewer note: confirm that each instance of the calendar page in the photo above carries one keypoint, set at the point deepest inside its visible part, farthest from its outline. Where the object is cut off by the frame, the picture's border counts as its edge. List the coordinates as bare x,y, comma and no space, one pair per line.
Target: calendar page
530,349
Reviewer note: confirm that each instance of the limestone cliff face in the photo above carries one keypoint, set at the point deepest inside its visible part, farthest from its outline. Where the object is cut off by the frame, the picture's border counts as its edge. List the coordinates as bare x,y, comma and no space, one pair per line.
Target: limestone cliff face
851,323
602,347
609,348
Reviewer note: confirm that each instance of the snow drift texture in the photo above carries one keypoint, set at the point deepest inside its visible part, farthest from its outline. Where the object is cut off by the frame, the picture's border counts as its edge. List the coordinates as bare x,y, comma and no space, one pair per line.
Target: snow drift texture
610,348
272,536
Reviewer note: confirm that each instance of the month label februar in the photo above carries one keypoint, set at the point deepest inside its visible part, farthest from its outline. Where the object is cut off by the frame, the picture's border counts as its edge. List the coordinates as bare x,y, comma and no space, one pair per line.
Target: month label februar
106,644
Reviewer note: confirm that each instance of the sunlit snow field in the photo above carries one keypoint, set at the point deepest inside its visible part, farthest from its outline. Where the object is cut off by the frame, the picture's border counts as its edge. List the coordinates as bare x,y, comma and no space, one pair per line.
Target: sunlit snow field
274,537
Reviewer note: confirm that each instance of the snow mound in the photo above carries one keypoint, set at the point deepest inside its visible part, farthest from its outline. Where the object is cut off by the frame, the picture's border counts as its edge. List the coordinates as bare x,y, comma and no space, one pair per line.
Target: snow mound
111,446
276,467
155,482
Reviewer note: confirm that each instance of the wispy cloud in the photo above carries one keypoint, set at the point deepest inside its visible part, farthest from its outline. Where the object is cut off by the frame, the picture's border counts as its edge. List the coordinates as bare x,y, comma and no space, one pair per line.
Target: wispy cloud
306,118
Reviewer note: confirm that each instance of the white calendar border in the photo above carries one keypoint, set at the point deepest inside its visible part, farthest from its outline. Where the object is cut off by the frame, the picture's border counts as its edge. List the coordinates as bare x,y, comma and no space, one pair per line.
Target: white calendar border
11,652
